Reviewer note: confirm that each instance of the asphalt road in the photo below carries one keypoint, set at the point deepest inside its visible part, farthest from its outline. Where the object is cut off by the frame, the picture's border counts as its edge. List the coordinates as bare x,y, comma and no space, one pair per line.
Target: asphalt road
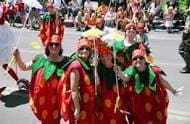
14,109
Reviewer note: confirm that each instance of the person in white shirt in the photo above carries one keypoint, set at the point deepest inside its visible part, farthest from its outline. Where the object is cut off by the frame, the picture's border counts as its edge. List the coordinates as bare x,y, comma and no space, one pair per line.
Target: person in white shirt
73,8
58,4
88,6
110,18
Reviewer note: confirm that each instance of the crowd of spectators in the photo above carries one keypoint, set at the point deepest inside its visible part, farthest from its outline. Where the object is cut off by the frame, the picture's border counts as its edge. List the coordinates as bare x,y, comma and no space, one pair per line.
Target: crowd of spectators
114,14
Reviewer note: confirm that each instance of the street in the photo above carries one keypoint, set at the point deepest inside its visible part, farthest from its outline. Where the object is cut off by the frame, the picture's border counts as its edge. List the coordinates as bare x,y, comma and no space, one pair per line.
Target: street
14,108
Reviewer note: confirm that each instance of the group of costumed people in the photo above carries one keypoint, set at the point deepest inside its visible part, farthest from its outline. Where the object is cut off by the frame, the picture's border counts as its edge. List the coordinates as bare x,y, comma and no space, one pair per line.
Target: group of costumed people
84,88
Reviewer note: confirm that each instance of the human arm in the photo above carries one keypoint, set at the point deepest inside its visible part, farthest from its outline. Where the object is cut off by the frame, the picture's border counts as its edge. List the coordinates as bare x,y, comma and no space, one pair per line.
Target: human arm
94,64
22,65
120,74
168,86
74,80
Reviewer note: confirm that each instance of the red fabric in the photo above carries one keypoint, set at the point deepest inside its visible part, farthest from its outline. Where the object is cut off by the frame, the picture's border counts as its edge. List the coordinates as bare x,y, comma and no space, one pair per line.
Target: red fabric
2,19
47,29
107,98
149,106
11,9
87,93
2,89
20,7
43,97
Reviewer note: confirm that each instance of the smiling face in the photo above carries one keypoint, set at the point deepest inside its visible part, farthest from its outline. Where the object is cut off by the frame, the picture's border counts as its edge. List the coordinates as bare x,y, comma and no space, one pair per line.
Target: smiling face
107,60
130,35
138,60
130,32
54,48
84,52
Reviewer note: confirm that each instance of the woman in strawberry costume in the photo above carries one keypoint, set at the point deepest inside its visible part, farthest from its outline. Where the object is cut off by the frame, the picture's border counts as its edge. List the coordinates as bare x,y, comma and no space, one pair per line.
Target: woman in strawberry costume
149,97
76,88
46,72
109,105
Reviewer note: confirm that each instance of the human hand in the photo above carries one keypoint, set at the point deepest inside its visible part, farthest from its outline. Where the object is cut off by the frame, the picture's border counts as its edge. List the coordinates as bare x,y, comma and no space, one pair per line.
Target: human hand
16,53
178,91
94,62
117,69
76,114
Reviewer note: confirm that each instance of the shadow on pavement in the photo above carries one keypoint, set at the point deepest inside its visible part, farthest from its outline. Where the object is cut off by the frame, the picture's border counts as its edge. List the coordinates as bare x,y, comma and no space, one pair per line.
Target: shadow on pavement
15,98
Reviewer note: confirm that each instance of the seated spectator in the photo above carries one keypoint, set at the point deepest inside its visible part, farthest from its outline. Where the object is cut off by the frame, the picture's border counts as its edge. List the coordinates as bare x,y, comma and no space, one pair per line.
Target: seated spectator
79,24
102,9
154,9
100,22
120,21
21,9
110,18
33,14
86,18
168,18
134,4
174,4
139,15
92,21
128,12
11,13
141,35
88,6
73,8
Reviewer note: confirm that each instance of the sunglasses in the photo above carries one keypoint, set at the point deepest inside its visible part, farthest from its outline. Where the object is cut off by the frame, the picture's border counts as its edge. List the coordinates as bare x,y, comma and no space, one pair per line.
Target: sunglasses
131,31
54,44
82,48
138,58
131,28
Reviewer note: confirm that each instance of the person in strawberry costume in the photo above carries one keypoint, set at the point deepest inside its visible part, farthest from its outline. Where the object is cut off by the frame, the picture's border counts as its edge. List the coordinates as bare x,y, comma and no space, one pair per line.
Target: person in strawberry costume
148,90
46,72
109,104
77,89
51,24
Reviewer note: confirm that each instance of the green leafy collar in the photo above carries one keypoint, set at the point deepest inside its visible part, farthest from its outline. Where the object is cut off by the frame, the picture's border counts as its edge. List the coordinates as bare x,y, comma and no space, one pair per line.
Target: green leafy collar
47,17
139,85
50,67
85,64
